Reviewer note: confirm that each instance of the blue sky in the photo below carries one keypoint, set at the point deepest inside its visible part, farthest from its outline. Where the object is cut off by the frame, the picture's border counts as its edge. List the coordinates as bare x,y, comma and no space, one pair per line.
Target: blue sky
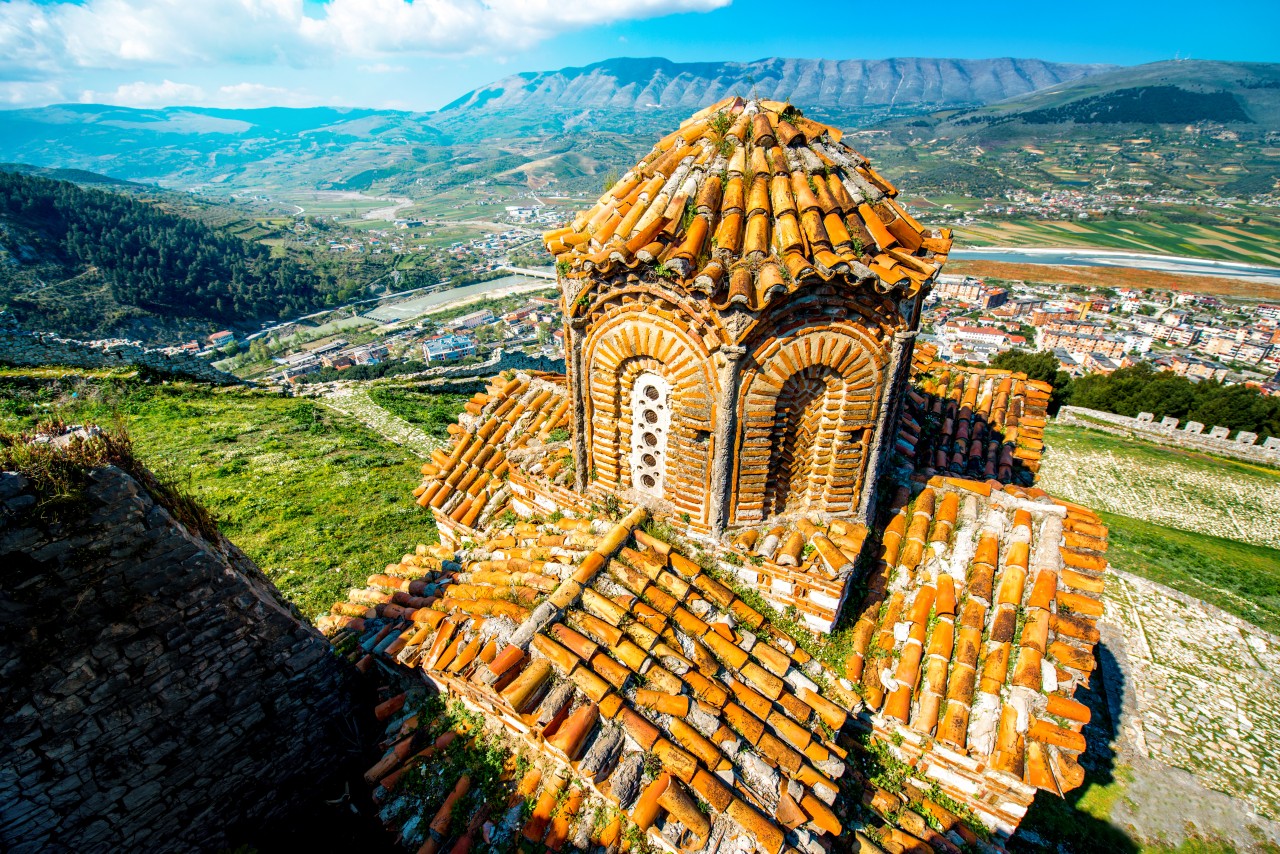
420,55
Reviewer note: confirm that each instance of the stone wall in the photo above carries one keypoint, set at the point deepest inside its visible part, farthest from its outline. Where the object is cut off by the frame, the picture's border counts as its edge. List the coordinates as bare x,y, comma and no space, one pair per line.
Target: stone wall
21,348
499,360
156,692
1166,433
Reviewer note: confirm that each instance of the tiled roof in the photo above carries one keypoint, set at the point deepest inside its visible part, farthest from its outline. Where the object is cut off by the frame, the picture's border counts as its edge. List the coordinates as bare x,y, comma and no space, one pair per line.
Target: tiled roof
467,483
636,676
973,422
746,202
978,624
799,563
644,683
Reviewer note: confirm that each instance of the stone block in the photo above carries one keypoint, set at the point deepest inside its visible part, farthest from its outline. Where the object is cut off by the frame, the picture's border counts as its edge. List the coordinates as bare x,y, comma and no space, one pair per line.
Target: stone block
1244,437
1145,417
95,702
1169,423
1219,433
1272,443
1195,428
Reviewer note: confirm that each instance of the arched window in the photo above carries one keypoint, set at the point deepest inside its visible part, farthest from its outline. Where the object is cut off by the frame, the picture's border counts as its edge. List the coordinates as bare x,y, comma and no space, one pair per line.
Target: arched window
650,427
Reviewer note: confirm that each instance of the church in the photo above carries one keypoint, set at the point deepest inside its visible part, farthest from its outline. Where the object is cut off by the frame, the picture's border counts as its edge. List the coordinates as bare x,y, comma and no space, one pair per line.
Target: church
757,572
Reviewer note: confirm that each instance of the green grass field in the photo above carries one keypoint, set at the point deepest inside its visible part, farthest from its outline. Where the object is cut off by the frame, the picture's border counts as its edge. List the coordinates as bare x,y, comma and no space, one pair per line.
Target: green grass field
317,500
1200,524
1239,578
432,412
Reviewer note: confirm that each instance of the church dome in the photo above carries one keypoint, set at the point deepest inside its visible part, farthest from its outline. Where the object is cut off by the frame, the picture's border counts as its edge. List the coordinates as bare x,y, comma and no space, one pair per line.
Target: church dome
749,200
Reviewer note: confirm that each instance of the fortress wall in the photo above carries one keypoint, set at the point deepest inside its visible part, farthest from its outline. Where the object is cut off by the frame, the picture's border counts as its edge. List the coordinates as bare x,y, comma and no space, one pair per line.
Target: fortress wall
1122,425
24,349
156,692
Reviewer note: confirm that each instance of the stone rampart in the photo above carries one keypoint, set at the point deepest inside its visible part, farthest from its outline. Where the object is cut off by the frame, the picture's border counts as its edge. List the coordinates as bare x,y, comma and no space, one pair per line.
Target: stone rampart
499,360
29,349
1166,432
156,692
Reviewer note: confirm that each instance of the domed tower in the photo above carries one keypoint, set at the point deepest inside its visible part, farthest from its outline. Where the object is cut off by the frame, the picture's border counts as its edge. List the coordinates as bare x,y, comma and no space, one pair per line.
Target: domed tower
740,309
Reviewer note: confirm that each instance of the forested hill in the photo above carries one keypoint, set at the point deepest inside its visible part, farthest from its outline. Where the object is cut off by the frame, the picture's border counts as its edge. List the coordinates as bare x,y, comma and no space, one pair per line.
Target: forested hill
84,261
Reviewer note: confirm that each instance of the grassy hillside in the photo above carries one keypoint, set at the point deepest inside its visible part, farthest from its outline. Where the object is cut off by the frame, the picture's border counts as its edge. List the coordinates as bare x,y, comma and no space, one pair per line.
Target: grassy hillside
127,262
1204,525
317,500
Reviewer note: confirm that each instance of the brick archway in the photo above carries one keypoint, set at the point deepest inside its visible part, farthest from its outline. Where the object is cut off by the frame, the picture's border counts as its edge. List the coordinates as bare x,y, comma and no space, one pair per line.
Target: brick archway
631,342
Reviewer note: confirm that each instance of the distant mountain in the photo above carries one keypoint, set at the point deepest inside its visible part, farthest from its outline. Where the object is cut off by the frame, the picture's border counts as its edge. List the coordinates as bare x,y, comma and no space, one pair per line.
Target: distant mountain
326,146
1174,93
639,84
190,145
857,90
1193,127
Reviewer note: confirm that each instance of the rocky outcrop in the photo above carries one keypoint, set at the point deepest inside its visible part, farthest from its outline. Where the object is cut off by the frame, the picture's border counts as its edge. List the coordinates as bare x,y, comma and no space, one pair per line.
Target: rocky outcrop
156,692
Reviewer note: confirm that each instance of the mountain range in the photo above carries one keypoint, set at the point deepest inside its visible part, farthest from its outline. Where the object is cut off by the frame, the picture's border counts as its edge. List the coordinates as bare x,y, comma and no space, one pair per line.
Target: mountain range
189,145
853,86
572,124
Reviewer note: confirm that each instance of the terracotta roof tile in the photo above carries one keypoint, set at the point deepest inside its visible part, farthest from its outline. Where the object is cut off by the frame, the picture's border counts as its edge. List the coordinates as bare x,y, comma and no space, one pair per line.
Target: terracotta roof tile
775,188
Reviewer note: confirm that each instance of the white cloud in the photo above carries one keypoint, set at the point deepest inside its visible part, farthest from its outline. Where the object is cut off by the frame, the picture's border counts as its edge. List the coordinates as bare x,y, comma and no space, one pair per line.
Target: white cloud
22,93
40,40
140,94
383,68
170,94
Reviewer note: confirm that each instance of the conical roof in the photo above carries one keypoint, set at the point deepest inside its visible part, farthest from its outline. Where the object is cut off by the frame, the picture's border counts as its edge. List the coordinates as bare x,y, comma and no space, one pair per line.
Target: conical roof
749,200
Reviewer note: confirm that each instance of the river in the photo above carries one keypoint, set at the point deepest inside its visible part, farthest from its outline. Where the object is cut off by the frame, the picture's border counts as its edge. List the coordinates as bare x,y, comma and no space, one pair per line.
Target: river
1069,257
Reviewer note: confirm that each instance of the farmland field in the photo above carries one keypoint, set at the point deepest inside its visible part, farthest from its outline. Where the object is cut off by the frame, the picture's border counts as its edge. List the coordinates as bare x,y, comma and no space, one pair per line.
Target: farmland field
1254,243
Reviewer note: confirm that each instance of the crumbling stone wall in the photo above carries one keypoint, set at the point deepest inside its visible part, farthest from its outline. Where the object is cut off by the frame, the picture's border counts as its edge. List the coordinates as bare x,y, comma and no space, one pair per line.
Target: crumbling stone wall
1191,440
21,348
156,693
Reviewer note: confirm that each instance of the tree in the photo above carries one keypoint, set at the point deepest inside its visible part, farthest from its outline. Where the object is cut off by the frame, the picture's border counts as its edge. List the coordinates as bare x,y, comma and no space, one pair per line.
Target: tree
1042,366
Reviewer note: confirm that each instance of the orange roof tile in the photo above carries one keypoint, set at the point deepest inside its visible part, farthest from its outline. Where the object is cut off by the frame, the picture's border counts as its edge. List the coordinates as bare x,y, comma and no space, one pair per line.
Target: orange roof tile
784,202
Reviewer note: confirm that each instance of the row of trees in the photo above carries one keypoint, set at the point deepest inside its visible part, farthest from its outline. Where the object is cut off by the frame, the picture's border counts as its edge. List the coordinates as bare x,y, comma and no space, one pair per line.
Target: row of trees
1142,388
160,262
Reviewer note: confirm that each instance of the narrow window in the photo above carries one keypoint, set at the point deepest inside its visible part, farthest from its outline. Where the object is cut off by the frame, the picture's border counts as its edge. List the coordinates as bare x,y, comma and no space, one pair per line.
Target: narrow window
650,426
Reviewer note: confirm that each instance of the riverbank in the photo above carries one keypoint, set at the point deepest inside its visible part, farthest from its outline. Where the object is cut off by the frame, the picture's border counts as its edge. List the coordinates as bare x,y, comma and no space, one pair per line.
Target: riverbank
1066,256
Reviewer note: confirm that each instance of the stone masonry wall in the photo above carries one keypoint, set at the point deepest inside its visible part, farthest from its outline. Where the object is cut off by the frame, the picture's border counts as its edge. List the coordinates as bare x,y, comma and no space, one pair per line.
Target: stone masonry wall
38,348
1122,425
156,693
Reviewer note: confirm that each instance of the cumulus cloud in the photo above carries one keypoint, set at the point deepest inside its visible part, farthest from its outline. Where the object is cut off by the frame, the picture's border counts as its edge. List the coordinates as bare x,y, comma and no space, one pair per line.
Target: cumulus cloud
140,94
37,39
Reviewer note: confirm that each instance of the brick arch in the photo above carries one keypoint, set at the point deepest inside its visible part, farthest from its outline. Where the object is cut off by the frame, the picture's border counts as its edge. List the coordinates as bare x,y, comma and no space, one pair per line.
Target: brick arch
797,439
630,340
811,394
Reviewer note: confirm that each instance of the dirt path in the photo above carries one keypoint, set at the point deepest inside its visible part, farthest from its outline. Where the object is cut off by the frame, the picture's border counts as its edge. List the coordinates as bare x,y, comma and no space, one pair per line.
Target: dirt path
355,401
